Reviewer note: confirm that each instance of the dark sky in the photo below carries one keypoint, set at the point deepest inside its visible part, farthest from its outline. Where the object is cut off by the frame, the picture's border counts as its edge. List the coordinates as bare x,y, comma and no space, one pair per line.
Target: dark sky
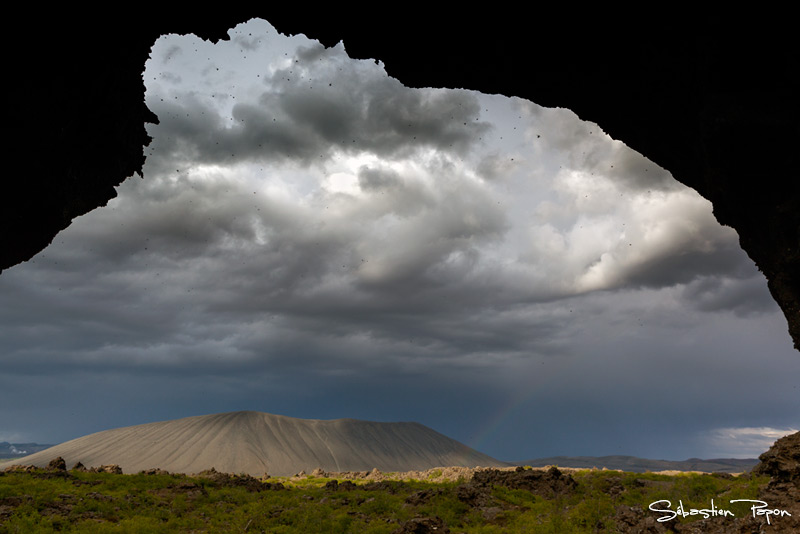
312,238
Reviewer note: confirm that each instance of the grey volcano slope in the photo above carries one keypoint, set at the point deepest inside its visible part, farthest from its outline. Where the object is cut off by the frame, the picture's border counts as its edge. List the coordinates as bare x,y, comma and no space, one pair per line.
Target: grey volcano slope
258,443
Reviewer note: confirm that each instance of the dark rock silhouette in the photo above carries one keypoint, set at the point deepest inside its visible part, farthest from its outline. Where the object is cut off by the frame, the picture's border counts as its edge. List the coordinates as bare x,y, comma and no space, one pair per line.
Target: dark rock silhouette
782,461
545,483
242,480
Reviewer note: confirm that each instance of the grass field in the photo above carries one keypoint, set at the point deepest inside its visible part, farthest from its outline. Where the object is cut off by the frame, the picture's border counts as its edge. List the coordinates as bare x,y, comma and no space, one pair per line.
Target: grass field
597,501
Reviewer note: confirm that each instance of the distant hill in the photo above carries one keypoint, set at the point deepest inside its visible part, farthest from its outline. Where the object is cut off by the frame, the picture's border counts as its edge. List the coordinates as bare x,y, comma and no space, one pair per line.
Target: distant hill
16,450
641,465
258,443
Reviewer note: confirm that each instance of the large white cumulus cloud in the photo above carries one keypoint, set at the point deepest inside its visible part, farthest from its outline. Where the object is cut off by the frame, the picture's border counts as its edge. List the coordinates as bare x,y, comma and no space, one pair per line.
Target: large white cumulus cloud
292,187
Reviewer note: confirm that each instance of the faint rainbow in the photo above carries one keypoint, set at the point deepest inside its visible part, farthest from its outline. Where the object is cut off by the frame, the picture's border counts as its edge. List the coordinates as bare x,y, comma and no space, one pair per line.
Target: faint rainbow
503,415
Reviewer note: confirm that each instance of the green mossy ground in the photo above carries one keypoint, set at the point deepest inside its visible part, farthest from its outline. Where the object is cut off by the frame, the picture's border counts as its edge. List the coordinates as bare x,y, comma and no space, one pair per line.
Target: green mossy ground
42,501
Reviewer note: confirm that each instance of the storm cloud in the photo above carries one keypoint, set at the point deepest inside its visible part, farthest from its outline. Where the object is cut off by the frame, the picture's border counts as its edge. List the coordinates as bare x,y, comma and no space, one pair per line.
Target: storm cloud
313,238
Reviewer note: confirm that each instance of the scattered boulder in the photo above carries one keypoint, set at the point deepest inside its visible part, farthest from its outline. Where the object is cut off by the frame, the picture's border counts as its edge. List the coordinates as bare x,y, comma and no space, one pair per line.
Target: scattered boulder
8,505
99,496
614,486
335,485
721,474
191,487
79,467
545,483
114,469
19,469
634,520
423,496
474,495
493,514
375,474
191,490
57,464
154,471
347,485
242,480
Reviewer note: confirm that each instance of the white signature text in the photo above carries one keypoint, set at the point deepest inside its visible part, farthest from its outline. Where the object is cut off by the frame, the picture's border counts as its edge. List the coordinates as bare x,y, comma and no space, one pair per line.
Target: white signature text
758,508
